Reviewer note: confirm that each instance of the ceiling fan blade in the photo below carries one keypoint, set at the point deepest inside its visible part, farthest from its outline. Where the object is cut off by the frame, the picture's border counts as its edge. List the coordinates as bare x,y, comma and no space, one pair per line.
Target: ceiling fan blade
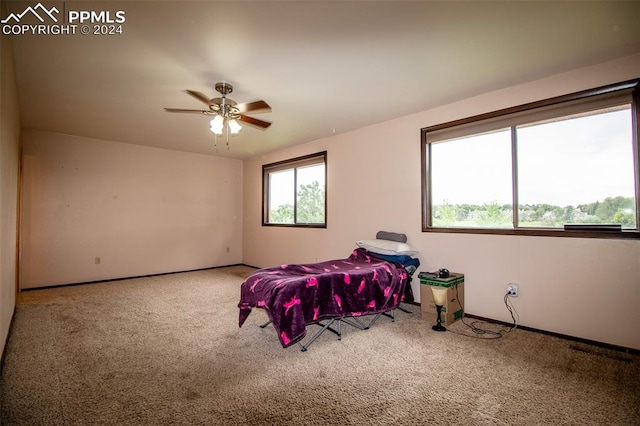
191,111
254,122
256,106
200,96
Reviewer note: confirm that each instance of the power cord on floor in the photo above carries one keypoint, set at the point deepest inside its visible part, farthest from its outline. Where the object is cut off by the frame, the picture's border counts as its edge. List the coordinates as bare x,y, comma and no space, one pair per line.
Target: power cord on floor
512,310
484,332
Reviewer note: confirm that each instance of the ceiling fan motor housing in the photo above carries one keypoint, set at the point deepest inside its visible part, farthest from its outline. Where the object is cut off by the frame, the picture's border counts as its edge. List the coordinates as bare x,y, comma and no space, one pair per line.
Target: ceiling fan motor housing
224,88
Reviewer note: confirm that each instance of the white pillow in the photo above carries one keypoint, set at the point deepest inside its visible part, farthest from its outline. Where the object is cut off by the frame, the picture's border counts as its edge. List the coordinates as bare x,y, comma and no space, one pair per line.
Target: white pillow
387,247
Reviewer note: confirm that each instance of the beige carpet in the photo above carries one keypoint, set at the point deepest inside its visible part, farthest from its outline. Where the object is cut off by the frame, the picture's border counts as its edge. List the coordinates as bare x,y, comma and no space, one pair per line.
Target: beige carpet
167,350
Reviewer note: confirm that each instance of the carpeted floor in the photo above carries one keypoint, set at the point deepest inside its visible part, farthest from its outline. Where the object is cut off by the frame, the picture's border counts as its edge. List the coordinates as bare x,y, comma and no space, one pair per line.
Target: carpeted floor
167,350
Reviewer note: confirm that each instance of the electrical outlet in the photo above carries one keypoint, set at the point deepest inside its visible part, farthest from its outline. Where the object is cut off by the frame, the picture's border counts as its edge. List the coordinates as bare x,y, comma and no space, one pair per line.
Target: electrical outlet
97,260
512,290
228,249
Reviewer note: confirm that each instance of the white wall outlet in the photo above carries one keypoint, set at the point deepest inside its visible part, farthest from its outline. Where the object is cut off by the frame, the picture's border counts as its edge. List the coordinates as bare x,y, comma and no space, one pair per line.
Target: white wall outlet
512,290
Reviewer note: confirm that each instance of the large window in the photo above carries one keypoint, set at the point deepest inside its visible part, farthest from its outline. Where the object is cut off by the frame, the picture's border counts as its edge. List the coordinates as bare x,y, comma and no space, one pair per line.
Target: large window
294,192
566,166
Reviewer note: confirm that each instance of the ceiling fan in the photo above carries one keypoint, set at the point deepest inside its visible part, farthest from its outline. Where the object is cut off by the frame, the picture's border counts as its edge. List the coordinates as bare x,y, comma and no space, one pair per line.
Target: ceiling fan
227,111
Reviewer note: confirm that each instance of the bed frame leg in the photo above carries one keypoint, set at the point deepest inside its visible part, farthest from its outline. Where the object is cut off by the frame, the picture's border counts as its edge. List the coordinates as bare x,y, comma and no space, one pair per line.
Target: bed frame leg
265,324
403,309
325,327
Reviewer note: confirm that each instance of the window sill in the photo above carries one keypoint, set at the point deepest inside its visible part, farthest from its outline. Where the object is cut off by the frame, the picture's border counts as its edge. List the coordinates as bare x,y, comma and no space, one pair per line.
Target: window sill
297,225
540,232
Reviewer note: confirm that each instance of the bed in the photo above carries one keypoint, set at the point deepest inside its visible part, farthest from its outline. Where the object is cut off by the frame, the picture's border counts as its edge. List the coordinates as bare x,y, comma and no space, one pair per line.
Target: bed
295,296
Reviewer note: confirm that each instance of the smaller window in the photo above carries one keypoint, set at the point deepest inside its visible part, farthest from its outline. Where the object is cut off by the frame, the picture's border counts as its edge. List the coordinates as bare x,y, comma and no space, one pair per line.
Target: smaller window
294,192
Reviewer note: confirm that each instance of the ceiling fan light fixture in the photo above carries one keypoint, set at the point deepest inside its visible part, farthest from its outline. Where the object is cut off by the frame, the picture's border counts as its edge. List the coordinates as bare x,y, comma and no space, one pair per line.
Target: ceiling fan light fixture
234,126
227,113
217,125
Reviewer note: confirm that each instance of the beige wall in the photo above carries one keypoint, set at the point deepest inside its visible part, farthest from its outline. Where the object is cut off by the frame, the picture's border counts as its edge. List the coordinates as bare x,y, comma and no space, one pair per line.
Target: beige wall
587,288
9,166
140,210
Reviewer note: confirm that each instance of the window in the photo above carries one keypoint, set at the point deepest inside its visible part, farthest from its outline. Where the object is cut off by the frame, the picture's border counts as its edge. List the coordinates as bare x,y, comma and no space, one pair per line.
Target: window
294,192
565,166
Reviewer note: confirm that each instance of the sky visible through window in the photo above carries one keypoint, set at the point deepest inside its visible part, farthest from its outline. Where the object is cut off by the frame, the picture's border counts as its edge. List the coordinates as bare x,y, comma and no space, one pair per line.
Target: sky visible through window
567,162
281,189
282,183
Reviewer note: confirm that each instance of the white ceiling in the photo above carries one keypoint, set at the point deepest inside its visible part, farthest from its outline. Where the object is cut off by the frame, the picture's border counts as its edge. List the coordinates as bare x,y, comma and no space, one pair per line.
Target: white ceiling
324,67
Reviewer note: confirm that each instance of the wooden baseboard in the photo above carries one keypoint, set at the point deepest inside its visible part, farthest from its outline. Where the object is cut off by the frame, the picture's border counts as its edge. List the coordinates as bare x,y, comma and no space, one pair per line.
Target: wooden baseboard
559,335
134,277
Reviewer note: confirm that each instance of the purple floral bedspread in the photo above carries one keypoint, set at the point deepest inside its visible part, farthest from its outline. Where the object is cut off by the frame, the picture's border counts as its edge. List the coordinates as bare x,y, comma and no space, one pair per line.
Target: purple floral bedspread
296,295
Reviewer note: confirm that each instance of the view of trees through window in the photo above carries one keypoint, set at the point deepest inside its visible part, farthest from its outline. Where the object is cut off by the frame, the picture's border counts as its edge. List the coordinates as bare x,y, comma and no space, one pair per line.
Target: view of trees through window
493,215
296,193
572,168
310,206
